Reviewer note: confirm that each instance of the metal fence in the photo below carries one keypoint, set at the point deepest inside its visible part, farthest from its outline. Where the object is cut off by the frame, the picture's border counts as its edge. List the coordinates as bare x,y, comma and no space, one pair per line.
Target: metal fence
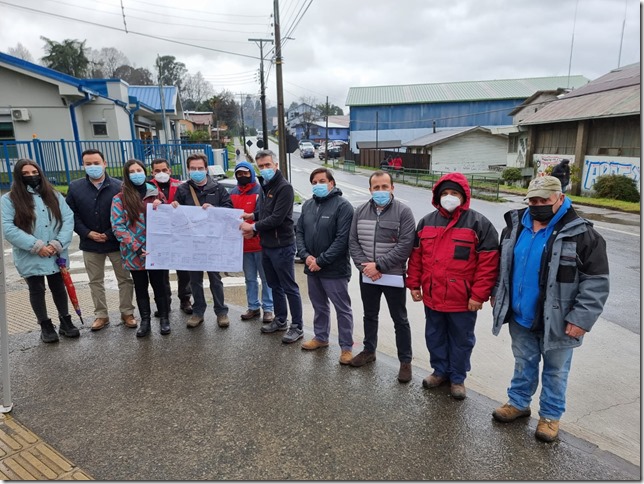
62,162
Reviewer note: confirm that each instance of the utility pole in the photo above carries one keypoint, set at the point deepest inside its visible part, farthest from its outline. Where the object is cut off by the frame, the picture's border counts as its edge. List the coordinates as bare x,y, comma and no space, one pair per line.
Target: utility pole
281,128
262,96
241,108
162,97
326,132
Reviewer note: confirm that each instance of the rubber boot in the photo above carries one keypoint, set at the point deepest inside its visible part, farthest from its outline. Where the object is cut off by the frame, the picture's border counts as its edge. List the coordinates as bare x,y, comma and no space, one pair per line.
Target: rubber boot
67,328
164,321
145,312
48,332
157,313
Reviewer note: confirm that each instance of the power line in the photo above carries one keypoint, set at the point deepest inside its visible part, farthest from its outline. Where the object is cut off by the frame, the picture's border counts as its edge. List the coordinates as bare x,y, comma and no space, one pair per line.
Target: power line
128,32
183,9
288,33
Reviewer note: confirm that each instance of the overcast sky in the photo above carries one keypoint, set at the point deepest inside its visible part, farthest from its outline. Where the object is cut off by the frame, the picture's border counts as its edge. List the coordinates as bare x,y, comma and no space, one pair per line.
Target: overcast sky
338,44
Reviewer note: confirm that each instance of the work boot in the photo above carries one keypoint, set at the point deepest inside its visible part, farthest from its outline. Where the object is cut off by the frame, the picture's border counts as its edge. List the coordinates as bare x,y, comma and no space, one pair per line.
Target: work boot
185,305
194,321
547,429
268,317
128,320
433,381
145,312
314,344
404,374
457,390
99,323
164,321
223,321
67,328
345,357
48,332
508,413
363,358
251,314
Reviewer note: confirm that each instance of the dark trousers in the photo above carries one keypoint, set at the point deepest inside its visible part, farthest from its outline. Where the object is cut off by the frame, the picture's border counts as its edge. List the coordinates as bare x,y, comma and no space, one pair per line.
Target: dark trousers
183,286
279,268
450,340
156,278
396,298
36,285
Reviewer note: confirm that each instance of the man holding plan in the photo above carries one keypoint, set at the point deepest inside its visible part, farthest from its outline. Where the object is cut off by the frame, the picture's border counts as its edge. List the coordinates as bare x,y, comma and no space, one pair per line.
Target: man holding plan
381,239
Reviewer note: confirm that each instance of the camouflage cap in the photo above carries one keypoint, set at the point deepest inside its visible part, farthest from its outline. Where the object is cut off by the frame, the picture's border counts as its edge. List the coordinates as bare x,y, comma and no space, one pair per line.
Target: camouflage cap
543,187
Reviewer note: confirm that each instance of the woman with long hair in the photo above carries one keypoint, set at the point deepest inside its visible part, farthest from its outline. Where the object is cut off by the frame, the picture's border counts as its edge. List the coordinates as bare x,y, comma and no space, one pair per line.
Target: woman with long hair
39,225
128,225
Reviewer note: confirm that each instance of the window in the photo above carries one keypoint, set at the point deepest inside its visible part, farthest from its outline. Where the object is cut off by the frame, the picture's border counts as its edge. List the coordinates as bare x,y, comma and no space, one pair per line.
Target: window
6,131
513,142
99,129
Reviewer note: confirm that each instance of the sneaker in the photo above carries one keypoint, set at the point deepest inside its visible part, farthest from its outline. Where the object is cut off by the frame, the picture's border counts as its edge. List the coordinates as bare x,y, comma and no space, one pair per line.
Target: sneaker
128,320
268,317
345,357
363,358
457,390
223,321
292,335
433,381
99,323
404,374
251,314
194,321
48,332
273,326
547,429
508,413
314,344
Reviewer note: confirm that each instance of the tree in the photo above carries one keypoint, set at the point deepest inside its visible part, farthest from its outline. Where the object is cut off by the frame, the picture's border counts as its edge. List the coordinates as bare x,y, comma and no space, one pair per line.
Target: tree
309,114
332,111
171,72
225,110
106,61
21,52
134,76
68,56
196,89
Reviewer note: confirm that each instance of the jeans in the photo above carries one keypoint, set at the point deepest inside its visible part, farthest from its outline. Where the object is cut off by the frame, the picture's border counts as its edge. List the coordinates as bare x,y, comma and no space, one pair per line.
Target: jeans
252,266
527,347
279,267
216,289
321,290
95,267
396,298
36,285
450,340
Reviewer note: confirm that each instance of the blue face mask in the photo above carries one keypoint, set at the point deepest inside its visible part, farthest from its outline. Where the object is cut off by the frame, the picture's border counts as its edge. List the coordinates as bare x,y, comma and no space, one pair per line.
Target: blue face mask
197,176
138,178
320,190
94,171
381,197
267,174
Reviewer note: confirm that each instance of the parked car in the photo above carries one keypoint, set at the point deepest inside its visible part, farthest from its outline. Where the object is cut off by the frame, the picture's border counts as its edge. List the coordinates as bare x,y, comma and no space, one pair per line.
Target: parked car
307,150
260,135
314,143
334,152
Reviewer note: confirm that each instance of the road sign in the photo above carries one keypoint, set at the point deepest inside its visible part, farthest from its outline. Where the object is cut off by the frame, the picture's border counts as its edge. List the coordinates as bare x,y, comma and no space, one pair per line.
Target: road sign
249,143
291,143
260,143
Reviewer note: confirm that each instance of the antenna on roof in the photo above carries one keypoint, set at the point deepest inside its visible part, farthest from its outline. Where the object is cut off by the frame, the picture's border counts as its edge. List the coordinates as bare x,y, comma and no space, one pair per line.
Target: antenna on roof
621,40
572,42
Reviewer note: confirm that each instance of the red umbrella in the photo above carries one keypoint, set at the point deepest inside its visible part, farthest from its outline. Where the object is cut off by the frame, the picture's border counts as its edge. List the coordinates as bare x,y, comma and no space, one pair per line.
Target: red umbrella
69,285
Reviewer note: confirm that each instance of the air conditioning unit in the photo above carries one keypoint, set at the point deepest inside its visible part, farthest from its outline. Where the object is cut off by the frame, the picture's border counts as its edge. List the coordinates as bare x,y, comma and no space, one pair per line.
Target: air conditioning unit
21,114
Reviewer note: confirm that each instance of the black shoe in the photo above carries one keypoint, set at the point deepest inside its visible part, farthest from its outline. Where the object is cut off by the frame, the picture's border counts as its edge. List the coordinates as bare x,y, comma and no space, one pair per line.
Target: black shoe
144,327
274,326
48,332
165,325
67,328
186,306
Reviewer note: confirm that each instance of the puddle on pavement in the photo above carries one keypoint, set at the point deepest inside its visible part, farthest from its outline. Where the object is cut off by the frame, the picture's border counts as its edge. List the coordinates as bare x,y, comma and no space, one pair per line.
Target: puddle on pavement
603,218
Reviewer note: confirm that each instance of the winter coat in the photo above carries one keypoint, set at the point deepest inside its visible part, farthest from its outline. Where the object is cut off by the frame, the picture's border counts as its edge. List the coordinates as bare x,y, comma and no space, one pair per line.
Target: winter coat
245,198
172,188
212,193
132,237
386,238
274,214
45,231
92,208
561,171
323,232
455,256
573,279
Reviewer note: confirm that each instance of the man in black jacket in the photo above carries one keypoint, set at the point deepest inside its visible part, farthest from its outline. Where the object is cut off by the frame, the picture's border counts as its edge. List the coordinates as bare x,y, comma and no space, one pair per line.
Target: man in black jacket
561,171
323,243
202,190
90,199
274,224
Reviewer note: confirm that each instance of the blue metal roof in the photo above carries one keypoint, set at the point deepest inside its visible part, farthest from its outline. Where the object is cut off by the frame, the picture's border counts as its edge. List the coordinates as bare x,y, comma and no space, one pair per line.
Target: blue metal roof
150,96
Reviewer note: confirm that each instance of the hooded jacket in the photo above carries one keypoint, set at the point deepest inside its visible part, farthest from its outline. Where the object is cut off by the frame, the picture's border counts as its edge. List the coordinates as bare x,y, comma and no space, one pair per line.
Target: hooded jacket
245,197
323,232
274,215
455,256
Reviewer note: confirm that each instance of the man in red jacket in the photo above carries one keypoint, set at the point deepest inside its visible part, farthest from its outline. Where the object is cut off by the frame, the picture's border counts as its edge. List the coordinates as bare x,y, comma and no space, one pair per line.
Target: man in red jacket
245,196
161,177
452,269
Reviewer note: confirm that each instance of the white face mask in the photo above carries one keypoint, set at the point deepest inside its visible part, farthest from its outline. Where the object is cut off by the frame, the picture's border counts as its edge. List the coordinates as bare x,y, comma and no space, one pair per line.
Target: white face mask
450,202
162,177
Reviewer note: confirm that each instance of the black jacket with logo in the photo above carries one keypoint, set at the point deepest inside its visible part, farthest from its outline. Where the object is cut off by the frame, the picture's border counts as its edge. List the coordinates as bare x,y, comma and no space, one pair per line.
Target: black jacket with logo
274,215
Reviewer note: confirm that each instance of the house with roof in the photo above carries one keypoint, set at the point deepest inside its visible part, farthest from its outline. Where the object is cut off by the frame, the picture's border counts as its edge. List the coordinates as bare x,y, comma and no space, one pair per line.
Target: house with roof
300,118
407,112
597,127
196,121
39,102
338,127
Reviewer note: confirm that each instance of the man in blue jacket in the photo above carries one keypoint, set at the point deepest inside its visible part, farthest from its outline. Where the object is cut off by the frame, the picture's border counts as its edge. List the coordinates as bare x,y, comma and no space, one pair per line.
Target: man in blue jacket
90,199
552,286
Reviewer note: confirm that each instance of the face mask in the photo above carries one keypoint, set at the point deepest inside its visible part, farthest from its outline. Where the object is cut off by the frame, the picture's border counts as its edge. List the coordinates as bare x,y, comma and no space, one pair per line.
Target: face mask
450,202
381,197
31,181
94,171
267,174
137,178
243,180
541,213
162,177
320,190
197,176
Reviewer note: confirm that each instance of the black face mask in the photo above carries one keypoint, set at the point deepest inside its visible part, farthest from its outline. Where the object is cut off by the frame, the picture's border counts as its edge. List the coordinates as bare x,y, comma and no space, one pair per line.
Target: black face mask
542,213
31,181
243,180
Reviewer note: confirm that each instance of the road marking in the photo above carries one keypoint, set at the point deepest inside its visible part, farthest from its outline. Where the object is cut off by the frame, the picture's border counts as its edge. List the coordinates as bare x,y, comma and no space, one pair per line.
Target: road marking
615,230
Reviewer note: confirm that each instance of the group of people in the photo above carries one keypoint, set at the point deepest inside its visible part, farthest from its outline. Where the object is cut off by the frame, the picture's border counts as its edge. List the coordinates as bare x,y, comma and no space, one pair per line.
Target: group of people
546,277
